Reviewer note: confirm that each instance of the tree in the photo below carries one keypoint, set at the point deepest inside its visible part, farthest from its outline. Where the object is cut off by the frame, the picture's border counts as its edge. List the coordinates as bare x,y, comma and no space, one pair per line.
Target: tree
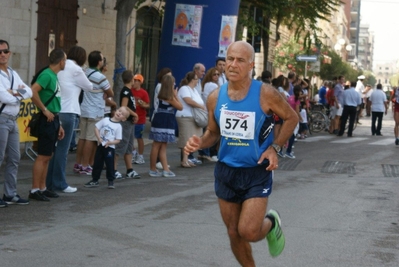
300,15
336,67
123,9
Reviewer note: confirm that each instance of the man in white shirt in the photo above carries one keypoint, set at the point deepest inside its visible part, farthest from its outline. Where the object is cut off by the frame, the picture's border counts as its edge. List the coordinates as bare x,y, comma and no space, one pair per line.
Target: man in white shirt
12,91
360,88
220,65
379,106
199,70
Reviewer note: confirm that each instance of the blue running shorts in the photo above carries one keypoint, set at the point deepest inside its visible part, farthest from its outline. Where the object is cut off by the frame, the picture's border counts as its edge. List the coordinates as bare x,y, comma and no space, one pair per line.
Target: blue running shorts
239,184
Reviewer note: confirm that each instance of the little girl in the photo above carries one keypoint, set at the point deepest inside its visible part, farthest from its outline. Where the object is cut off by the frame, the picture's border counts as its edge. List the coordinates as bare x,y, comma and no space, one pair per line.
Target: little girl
303,125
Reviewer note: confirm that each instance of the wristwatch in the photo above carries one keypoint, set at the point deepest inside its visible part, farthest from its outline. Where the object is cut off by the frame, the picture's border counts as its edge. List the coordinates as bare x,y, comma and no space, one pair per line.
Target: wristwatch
276,147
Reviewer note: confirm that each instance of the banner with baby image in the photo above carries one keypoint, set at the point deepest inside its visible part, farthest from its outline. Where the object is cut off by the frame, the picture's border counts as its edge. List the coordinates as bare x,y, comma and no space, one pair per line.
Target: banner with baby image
227,34
187,25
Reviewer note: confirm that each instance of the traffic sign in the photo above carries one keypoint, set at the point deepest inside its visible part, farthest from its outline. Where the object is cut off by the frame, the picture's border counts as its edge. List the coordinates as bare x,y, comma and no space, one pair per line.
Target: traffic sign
309,58
315,66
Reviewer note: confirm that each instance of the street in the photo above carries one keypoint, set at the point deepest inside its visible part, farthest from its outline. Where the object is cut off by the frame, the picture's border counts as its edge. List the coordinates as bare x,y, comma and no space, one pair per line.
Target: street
338,201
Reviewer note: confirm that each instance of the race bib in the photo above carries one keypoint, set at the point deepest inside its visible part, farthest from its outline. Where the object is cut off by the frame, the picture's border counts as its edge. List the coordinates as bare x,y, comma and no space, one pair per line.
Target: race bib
237,124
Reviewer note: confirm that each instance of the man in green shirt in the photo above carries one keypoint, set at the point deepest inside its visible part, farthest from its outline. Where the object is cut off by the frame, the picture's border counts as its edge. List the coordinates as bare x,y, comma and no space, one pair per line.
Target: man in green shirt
51,130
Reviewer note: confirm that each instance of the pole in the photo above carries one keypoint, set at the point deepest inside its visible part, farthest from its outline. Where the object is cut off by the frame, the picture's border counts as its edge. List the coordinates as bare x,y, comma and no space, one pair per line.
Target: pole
306,69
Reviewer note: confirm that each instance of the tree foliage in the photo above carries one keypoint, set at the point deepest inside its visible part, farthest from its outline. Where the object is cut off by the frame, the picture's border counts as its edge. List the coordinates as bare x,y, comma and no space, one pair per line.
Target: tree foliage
301,16
337,67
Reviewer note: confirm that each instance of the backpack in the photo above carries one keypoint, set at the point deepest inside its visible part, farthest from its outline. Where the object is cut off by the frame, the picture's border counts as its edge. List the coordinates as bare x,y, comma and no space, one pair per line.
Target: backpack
82,92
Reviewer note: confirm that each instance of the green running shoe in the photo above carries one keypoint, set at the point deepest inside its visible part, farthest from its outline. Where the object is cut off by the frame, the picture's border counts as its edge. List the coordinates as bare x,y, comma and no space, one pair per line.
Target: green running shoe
275,238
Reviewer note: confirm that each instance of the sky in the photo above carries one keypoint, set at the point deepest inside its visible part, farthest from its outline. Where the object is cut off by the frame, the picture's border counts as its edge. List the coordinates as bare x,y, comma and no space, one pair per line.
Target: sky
383,18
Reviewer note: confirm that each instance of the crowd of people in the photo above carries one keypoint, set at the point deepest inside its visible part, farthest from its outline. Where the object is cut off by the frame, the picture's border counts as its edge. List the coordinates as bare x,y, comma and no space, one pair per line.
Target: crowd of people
348,100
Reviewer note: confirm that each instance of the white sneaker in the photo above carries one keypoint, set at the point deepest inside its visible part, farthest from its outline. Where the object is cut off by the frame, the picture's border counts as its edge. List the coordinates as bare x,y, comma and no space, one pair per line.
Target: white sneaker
70,189
168,174
159,166
139,159
290,155
195,161
118,175
134,156
133,174
214,158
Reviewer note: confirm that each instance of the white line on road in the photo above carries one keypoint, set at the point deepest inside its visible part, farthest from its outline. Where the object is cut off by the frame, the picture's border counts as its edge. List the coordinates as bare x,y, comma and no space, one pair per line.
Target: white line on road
347,140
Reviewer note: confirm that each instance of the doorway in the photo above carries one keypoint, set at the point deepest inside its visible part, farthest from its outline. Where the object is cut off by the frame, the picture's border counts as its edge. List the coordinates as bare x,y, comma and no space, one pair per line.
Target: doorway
56,28
147,41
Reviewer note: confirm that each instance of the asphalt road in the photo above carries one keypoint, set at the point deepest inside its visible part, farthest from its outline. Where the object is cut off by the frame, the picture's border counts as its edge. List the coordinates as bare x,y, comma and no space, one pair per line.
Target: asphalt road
338,201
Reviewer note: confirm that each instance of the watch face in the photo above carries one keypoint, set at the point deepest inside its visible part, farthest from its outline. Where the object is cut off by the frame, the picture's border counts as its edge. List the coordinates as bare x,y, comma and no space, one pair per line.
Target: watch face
276,147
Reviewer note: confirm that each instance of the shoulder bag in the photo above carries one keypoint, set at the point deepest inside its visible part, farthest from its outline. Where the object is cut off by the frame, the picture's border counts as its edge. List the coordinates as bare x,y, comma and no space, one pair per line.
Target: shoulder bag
33,124
200,116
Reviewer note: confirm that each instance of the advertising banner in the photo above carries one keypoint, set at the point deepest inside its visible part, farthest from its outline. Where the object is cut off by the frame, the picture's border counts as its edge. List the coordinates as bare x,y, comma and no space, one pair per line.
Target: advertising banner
187,25
27,108
227,33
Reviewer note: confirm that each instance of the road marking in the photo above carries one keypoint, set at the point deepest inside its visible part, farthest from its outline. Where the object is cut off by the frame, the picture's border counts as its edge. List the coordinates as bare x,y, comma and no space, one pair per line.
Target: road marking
383,142
347,140
316,138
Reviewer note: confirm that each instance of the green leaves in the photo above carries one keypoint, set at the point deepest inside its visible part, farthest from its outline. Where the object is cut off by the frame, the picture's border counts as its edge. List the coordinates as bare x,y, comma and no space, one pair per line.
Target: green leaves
299,15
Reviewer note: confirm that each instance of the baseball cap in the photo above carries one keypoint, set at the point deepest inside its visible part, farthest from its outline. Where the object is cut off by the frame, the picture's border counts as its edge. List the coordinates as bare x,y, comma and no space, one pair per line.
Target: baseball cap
361,77
138,77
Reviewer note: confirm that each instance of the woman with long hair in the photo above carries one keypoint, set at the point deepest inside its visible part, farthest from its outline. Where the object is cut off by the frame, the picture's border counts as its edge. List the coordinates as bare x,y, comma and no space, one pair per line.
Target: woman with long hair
209,84
163,126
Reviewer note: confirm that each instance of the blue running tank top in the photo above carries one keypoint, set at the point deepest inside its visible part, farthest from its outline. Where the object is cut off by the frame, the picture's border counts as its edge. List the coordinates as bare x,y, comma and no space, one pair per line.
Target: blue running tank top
246,131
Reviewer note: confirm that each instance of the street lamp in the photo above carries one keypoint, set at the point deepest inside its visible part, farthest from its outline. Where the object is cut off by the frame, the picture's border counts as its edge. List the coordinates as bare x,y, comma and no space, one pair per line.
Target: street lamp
340,45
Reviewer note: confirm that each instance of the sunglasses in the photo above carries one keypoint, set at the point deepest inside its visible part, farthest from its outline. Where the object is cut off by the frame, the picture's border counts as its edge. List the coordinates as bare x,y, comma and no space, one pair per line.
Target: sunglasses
4,51
135,80
216,74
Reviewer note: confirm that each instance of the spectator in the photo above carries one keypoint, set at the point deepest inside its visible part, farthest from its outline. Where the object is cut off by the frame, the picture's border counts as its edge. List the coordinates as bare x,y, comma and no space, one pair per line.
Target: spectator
125,146
12,91
161,73
92,111
44,89
266,76
220,65
109,133
379,105
190,98
209,83
72,80
163,126
142,104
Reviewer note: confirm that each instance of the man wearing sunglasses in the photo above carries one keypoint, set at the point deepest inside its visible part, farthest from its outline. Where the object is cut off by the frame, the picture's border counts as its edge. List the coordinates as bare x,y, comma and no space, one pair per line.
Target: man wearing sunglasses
12,91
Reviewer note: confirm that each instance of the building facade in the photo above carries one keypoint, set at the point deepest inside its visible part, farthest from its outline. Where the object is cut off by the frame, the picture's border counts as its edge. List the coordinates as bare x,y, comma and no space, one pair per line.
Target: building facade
365,48
34,27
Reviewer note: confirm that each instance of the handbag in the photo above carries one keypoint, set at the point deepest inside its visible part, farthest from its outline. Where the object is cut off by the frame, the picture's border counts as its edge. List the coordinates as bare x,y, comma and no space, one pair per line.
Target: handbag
200,116
33,124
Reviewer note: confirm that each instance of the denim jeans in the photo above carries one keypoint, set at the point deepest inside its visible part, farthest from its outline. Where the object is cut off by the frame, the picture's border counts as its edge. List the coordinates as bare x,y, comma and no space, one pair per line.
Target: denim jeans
56,179
9,150
73,139
290,144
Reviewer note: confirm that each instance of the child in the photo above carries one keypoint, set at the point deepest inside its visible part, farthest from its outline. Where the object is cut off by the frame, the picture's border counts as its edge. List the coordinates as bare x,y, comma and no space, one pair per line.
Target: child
303,125
109,133
142,104
125,147
163,126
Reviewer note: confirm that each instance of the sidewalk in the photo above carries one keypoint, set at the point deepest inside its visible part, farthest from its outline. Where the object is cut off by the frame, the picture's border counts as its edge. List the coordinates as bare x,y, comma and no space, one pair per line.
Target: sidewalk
173,153
78,180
